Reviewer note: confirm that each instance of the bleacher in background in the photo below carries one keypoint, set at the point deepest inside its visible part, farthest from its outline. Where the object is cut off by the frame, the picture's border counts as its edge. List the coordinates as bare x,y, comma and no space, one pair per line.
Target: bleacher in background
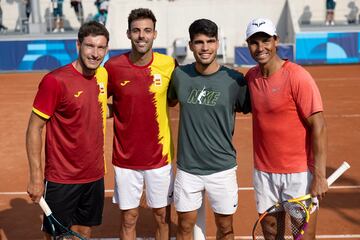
14,13
304,36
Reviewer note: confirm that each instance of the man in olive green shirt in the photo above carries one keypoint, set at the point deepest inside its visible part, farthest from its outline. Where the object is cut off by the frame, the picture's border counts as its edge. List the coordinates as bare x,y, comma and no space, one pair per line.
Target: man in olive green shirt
209,95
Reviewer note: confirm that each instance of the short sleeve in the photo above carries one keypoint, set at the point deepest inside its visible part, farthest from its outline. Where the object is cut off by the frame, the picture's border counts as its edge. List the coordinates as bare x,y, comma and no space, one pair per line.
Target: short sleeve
110,87
305,93
47,98
243,103
171,94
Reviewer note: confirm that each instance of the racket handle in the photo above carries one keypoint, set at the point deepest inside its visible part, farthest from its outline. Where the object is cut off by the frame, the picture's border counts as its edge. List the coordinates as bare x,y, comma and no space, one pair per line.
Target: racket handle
335,175
338,172
45,207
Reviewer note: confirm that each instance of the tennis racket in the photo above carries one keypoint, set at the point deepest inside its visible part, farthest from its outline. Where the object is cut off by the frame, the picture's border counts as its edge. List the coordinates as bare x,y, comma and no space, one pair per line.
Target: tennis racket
56,227
293,215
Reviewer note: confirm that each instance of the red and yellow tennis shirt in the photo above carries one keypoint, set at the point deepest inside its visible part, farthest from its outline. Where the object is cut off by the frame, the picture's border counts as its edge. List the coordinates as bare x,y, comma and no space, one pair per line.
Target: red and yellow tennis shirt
142,138
75,109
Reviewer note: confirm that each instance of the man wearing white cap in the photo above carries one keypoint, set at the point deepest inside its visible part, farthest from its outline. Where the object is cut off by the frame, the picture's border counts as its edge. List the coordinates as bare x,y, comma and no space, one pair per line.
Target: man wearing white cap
289,132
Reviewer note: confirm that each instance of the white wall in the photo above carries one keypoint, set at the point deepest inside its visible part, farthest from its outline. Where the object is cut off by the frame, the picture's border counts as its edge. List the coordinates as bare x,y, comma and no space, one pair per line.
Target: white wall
175,17
13,9
318,9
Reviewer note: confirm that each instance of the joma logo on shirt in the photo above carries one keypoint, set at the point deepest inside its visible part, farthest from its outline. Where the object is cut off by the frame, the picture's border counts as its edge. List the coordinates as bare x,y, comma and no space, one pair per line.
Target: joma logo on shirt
123,83
78,94
203,97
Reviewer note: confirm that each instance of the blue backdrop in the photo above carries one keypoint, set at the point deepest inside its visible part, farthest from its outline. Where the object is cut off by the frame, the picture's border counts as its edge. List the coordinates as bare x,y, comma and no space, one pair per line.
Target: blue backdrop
328,48
243,57
311,48
36,55
43,54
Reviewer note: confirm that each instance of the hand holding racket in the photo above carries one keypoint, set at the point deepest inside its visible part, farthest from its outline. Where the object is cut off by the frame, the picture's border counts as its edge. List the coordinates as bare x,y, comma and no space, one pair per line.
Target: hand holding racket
293,215
56,226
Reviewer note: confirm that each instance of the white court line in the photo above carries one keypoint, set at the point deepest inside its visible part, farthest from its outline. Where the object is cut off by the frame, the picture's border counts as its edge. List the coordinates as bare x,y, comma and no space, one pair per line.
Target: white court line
340,236
344,236
240,189
338,78
332,187
355,115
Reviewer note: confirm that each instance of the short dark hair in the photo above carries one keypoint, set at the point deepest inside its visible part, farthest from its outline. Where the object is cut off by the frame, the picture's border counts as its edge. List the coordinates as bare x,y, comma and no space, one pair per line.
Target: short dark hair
141,13
203,26
92,28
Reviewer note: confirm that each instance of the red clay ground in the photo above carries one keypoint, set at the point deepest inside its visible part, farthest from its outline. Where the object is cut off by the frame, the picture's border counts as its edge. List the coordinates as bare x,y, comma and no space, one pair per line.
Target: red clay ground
340,211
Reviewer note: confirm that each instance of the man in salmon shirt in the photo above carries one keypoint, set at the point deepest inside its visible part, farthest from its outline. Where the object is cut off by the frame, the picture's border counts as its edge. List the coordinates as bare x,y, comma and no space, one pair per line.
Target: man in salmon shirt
289,132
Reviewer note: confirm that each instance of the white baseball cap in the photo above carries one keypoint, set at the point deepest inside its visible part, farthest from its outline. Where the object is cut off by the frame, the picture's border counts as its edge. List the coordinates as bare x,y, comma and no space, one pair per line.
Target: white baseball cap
260,25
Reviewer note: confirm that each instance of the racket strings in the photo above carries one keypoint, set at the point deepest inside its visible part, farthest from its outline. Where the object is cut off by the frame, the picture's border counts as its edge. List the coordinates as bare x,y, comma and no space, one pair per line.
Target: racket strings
271,225
62,232
285,221
65,237
296,216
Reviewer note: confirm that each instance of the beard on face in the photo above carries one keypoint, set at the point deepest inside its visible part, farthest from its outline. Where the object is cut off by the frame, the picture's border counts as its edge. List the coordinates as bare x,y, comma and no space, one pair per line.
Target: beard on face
87,66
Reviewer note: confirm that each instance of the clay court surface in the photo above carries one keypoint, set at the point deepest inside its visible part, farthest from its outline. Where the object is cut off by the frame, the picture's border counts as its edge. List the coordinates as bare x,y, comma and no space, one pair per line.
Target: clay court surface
340,211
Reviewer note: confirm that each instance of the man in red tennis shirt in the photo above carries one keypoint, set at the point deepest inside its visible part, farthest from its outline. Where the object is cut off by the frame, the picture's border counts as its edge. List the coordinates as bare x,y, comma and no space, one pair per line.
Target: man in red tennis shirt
71,102
142,148
289,132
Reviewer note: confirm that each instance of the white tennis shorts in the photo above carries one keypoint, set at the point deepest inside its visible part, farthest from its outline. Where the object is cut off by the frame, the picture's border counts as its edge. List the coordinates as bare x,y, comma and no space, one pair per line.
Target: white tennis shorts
271,188
129,185
221,189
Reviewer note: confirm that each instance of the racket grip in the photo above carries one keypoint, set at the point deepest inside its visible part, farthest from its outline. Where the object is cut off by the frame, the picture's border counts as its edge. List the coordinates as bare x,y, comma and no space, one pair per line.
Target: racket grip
335,175
45,207
338,172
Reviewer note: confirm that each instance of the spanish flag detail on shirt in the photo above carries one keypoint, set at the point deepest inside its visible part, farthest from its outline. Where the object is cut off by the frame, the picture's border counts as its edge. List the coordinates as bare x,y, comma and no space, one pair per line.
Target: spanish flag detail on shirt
101,76
142,138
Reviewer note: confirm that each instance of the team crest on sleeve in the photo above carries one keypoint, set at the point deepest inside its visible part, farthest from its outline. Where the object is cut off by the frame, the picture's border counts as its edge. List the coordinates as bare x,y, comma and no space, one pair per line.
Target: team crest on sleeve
157,80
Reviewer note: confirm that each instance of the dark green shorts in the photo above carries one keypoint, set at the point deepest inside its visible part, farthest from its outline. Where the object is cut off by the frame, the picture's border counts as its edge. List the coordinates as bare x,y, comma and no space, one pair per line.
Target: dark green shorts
330,4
